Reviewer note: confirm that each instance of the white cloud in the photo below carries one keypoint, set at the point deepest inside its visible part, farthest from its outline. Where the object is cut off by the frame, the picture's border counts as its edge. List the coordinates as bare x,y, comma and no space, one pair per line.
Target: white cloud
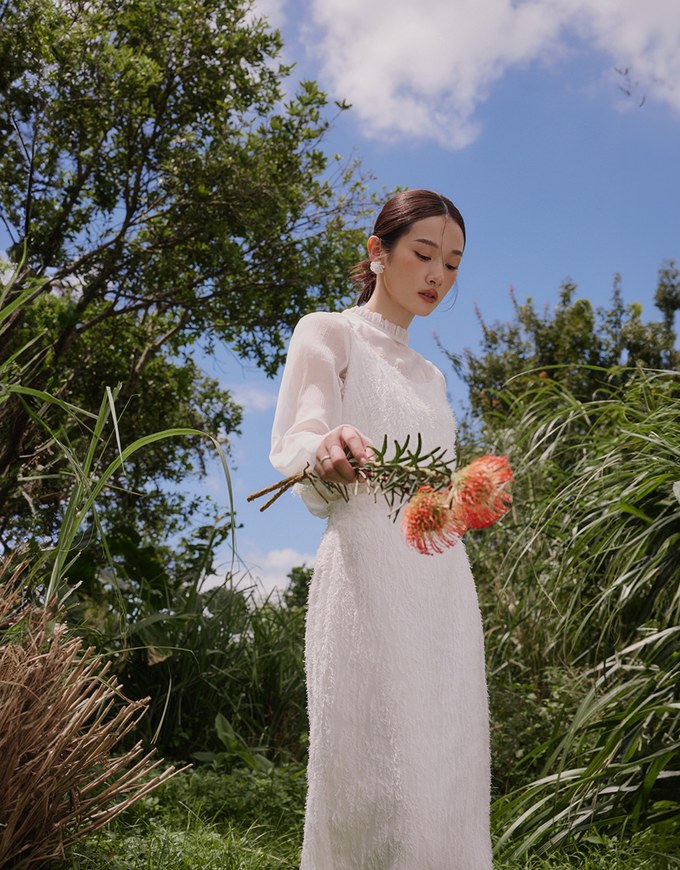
265,572
644,37
422,69
271,9
253,397
270,570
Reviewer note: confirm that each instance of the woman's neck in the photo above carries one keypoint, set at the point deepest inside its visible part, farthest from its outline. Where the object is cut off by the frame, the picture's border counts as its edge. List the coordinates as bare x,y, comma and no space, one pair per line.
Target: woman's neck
382,304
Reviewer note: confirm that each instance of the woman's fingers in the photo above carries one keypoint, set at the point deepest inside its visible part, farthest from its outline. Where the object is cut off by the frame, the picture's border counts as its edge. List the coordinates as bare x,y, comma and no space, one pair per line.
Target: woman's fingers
332,462
355,442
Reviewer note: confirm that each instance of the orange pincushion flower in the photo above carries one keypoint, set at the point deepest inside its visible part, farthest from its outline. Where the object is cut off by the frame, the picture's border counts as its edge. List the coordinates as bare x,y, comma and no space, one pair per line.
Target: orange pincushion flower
428,523
479,494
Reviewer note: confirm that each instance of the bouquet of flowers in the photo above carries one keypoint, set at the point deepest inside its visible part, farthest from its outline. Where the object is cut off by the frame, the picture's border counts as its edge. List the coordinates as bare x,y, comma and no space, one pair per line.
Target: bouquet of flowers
437,501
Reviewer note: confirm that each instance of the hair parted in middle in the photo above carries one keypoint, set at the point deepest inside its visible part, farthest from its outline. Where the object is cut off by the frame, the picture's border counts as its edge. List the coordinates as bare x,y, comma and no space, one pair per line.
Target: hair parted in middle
394,220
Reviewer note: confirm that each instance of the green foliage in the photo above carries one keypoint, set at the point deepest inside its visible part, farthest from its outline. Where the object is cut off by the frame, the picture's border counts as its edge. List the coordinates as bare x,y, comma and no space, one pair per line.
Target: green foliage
194,653
94,465
253,821
396,476
295,594
240,820
616,767
166,194
155,845
583,578
578,582
219,653
274,797
525,715
638,853
574,344
154,393
605,511
235,748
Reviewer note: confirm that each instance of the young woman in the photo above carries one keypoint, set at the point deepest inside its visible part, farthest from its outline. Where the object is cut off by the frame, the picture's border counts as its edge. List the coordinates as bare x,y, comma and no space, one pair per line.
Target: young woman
399,753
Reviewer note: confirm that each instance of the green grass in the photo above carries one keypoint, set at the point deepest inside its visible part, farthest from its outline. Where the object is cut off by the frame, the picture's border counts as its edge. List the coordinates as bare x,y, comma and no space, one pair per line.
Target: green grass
206,819
253,821
579,593
158,846
611,855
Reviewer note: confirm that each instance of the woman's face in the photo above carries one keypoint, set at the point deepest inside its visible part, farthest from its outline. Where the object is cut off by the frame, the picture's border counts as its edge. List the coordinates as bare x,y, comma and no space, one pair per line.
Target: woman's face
419,271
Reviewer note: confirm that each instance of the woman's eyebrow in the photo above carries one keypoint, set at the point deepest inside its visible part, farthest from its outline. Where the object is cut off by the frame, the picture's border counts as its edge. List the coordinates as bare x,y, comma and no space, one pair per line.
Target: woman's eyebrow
435,245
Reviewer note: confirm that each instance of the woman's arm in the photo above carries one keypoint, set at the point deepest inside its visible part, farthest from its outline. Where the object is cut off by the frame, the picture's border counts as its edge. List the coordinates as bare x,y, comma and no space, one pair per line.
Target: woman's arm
309,430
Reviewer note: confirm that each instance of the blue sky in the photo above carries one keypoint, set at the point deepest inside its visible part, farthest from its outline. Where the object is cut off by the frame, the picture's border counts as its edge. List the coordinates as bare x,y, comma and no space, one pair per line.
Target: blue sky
517,113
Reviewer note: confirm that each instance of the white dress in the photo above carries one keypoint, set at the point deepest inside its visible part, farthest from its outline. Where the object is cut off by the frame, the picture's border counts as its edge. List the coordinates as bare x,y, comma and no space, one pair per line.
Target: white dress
398,775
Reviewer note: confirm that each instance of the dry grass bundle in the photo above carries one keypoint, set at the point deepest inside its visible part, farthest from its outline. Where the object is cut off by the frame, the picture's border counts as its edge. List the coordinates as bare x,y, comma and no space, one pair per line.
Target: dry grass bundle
62,715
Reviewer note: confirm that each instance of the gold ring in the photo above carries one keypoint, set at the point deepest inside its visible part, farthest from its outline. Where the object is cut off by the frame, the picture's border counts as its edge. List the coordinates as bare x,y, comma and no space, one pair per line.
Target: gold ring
324,458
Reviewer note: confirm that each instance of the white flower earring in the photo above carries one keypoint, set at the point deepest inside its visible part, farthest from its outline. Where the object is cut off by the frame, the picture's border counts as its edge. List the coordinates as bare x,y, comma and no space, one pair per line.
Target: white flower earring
376,267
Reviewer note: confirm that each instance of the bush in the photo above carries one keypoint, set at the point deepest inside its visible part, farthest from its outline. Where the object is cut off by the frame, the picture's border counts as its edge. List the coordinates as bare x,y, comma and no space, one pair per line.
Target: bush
589,569
61,718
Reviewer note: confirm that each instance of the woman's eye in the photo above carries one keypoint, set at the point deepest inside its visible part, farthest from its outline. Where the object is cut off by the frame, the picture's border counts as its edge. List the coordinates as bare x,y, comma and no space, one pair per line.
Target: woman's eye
422,256
451,268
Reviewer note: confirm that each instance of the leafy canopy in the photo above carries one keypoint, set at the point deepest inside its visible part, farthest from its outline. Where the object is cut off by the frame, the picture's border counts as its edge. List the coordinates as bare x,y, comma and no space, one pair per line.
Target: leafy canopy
573,344
156,176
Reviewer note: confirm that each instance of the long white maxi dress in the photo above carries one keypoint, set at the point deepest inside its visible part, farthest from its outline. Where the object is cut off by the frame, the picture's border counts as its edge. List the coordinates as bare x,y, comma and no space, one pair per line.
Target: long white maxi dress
398,775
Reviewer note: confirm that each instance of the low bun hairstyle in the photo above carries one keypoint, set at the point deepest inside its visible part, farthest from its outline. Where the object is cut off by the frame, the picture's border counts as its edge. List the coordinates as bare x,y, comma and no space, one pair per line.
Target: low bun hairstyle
394,220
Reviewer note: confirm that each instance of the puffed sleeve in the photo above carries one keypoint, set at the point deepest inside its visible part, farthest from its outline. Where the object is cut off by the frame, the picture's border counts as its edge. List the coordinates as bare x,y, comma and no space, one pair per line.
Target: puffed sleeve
310,398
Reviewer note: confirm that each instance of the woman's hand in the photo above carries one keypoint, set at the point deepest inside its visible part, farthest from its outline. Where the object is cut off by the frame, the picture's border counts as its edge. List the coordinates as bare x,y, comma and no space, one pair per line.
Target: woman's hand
332,461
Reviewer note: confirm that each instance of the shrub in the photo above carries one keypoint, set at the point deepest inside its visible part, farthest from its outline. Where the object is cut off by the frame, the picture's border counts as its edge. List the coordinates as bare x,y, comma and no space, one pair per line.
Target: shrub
61,718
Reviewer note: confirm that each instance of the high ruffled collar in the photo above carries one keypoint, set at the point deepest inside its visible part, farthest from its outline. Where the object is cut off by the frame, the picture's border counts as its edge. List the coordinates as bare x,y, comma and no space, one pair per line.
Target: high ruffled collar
377,320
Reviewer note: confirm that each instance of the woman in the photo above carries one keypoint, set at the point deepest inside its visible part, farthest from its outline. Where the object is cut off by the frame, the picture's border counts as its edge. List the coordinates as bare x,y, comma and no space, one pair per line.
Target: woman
398,758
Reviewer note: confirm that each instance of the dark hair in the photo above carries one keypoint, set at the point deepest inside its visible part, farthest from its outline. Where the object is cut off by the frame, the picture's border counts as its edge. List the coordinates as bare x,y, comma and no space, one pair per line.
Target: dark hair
394,220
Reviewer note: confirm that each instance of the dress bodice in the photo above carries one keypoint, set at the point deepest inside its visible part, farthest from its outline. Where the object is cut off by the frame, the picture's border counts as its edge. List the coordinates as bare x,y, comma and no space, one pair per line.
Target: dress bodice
355,367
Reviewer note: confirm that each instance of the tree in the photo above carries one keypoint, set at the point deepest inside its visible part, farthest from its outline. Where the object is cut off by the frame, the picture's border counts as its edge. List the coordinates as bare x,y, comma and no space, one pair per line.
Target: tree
581,573
152,171
295,594
572,345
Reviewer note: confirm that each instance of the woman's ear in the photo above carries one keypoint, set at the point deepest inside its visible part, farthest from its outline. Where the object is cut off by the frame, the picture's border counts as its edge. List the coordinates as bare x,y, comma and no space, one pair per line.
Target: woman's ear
374,248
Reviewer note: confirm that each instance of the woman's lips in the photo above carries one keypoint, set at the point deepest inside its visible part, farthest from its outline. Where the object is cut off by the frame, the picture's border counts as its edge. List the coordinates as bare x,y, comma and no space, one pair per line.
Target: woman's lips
430,296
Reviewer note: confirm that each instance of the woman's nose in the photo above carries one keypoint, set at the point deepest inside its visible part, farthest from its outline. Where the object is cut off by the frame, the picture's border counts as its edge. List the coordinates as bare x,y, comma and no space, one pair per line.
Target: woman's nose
436,275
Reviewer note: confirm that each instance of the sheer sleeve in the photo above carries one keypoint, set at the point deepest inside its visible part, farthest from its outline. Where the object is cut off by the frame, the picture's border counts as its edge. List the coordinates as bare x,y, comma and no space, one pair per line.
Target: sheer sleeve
310,398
